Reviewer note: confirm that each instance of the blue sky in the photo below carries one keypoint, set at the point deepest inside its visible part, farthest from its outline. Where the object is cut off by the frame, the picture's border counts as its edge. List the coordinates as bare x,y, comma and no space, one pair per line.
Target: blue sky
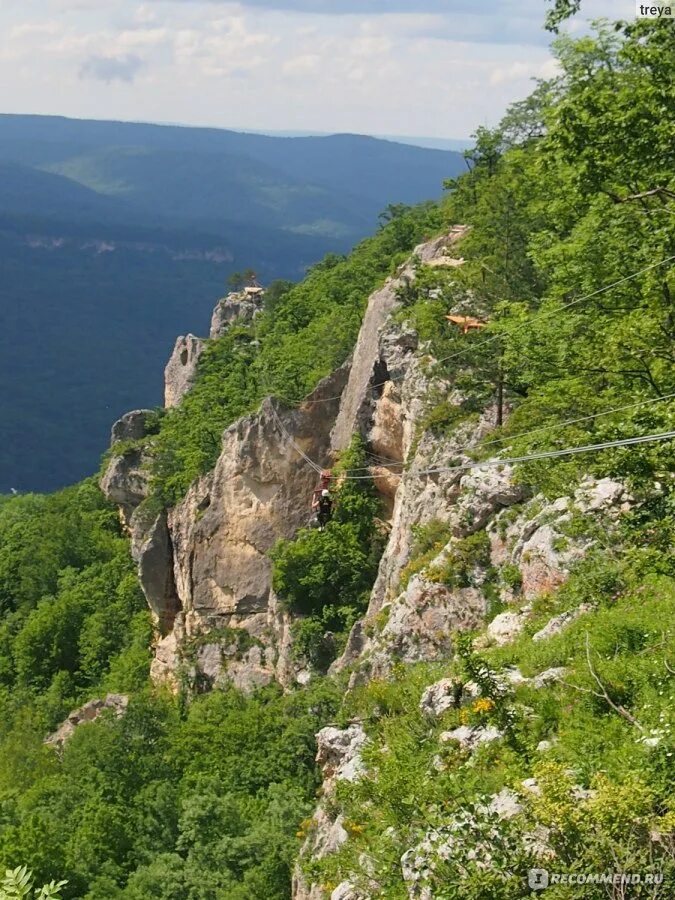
424,67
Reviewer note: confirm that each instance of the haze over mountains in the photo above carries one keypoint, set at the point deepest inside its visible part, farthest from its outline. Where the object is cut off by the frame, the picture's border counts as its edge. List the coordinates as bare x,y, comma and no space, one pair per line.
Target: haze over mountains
116,237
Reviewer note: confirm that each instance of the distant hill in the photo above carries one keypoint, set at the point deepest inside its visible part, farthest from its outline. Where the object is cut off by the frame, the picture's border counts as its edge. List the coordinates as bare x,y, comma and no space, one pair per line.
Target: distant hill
116,237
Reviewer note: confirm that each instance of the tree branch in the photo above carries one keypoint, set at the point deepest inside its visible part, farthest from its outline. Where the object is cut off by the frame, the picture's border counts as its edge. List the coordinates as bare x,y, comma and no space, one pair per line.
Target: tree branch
642,195
616,707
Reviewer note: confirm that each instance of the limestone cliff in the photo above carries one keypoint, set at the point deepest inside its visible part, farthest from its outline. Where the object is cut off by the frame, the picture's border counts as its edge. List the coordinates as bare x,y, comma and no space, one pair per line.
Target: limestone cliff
204,565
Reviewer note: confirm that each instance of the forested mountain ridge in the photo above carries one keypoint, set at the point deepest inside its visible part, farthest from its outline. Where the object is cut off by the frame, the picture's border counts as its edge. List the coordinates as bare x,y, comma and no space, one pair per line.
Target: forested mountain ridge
334,185
114,237
485,653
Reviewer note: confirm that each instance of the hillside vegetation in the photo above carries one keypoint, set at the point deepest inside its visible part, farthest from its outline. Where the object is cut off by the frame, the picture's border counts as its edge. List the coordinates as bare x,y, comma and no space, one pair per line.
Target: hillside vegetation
207,797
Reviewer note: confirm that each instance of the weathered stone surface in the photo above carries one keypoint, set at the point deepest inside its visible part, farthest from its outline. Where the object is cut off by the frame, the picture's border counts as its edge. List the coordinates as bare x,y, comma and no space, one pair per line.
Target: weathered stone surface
515,678
370,365
603,495
440,697
538,543
151,548
88,713
386,435
339,753
132,426
166,663
506,627
240,307
125,482
483,493
221,533
560,622
347,891
181,370
470,738
505,804
549,677
421,498
421,624
330,835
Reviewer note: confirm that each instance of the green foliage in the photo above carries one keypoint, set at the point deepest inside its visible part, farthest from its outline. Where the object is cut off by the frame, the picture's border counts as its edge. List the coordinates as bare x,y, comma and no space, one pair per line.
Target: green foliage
327,575
154,805
466,557
571,194
74,612
511,576
429,540
419,786
18,885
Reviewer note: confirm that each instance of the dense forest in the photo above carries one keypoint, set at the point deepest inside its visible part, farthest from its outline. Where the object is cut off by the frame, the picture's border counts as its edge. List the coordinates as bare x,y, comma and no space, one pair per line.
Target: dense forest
569,260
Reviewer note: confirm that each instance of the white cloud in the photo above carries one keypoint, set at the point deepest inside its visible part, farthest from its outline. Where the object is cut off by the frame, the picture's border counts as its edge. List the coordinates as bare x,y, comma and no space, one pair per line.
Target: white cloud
436,67
301,65
111,68
520,70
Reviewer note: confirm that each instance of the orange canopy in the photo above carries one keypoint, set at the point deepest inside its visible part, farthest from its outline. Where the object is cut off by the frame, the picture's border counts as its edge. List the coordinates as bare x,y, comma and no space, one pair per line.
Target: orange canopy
466,323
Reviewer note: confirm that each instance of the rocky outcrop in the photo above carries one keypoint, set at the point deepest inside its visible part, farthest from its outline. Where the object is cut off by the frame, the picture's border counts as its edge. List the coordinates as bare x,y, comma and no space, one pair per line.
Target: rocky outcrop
116,703
339,756
181,370
537,542
132,426
470,738
558,623
374,362
240,307
152,549
125,480
222,532
448,693
417,622
204,565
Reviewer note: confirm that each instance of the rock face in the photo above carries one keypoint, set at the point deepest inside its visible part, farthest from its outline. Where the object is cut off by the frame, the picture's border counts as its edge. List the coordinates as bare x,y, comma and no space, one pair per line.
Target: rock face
241,306
131,427
339,755
203,565
537,542
88,713
222,532
372,361
125,480
181,370
152,549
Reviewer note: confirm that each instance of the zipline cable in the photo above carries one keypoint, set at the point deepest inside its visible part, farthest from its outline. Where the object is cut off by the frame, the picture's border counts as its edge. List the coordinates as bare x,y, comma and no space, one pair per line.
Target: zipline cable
520,434
551,454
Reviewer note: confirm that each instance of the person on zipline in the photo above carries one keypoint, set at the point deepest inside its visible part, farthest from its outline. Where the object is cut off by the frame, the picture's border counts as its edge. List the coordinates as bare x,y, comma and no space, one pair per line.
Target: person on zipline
323,508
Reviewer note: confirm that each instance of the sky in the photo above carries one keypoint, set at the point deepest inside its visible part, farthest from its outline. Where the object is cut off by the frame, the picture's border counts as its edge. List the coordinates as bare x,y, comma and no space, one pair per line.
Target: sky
437,68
